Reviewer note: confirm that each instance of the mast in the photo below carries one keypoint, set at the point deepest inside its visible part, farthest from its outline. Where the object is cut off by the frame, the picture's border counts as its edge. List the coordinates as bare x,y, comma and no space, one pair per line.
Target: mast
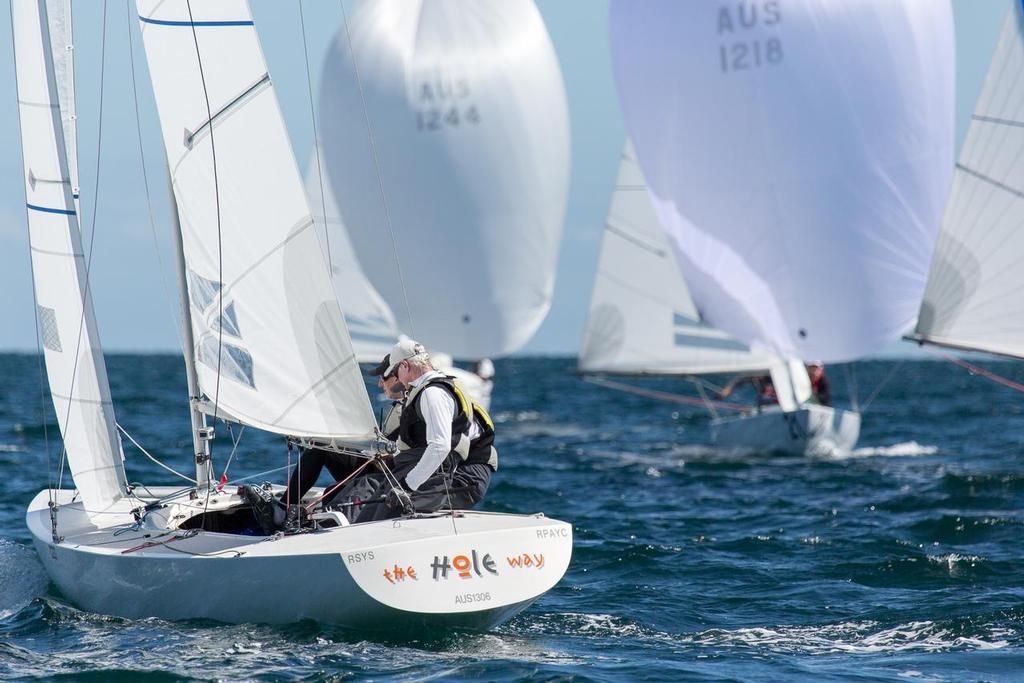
201,433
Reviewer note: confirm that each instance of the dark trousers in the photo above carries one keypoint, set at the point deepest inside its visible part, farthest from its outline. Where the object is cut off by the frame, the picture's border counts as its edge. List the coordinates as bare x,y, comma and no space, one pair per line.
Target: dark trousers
460,490
311,464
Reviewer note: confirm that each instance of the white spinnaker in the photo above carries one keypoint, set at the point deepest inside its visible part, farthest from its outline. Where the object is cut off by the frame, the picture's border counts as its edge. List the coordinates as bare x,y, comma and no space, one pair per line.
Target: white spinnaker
370,322
799,153
974,295
642,319
75,368
469,117
263,307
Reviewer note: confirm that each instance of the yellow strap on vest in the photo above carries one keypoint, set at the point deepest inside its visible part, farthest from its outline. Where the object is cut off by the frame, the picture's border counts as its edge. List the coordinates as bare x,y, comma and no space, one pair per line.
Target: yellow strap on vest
463,403
479,410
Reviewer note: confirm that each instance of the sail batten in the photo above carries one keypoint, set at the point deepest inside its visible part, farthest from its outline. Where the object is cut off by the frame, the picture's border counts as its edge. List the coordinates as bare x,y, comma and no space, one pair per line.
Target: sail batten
973,300
67,325
270,341
642,320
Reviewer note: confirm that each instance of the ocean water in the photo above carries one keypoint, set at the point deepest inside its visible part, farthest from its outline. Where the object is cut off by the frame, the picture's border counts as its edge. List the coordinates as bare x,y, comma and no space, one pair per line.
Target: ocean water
902,562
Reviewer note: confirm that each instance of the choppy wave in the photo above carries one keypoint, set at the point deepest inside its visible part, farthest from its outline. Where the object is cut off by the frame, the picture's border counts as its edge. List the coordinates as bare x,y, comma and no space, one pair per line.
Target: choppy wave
22,577
896,450
858,637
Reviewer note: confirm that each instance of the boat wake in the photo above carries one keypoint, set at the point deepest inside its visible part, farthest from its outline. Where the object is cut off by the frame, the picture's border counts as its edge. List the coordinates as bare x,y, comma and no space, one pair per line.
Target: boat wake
22,577
907,448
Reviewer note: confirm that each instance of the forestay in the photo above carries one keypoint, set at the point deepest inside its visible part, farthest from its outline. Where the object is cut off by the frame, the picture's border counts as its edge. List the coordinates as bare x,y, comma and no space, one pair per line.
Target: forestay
271,344
370,322
799,153
973,299
67,325
467,110
642,319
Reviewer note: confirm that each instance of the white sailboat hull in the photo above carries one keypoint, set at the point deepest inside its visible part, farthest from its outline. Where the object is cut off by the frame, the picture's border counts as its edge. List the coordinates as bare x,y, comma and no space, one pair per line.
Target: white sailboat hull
811,430
472,570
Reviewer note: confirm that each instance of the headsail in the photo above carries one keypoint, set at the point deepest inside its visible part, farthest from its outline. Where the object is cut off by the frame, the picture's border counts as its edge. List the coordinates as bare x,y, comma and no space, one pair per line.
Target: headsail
973,298
642,319
370,322
272,348
74,358
468,113
799,153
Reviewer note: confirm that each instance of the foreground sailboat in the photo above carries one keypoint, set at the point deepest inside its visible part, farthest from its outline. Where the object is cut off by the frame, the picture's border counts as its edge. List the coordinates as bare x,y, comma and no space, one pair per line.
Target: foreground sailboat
266,346
643,321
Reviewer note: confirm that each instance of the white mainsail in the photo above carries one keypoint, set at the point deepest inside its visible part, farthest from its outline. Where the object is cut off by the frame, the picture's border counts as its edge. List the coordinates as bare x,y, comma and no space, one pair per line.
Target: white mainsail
370,322
468,113
973,298
271,344
74,358
642,319
799,153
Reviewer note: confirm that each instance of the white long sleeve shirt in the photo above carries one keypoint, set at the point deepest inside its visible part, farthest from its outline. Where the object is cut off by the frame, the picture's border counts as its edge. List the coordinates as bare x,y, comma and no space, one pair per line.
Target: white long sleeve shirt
438,409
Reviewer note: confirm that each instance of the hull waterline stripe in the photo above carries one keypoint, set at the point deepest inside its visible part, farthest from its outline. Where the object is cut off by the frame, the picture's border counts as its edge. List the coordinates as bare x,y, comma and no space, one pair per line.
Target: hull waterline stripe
165,22
46,209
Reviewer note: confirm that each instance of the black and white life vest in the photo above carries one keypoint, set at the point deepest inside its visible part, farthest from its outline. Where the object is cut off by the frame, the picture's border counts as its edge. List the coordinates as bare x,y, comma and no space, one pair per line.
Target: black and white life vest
412,431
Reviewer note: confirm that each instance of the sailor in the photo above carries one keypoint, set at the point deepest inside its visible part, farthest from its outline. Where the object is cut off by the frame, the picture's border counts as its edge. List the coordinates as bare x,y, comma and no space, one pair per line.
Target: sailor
764,390
446,452
821,387
342,465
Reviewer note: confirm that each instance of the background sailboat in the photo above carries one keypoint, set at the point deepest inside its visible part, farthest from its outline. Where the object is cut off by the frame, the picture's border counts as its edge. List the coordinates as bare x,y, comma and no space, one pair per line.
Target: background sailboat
973,297
466,179
642,321
801,190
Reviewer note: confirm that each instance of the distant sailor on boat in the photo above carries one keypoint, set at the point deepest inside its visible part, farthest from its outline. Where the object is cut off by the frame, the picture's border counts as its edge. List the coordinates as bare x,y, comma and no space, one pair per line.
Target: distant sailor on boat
762,384
821,387
446,450
342,465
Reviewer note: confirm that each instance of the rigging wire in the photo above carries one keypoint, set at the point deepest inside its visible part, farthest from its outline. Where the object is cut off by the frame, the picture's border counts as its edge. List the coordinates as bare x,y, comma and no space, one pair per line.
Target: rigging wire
316,136
145,176
216,195
234,447
376,167
664,395
151,457
976,370
851,386
878,389
220,250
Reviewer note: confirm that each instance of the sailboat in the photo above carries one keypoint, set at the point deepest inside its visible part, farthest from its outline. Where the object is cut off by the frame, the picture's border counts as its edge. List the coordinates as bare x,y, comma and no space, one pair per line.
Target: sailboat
972,300
265,346
454,164
798,156
643,322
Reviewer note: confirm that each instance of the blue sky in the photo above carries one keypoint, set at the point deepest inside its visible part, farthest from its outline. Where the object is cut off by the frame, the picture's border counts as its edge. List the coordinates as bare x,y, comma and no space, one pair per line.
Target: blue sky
132,278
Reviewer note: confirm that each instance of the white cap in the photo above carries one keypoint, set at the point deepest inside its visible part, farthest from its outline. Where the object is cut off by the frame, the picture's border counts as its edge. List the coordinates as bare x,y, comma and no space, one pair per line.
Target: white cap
404,350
